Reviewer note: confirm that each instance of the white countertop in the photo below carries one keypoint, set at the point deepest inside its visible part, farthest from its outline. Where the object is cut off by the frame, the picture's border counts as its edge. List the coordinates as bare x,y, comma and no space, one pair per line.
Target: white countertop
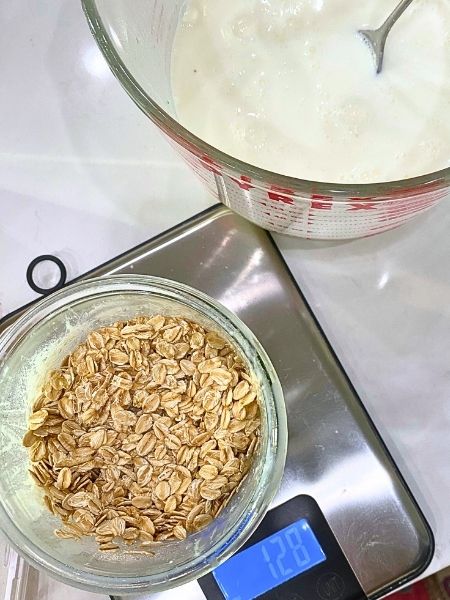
85,176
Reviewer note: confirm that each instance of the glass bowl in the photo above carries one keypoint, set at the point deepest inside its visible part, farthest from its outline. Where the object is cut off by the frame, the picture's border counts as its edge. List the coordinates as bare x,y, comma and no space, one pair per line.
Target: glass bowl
36,343
136,40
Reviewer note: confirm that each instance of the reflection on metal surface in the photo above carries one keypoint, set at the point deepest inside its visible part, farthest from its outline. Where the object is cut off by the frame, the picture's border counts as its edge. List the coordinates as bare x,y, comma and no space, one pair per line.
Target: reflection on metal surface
250,285
384,279
334,453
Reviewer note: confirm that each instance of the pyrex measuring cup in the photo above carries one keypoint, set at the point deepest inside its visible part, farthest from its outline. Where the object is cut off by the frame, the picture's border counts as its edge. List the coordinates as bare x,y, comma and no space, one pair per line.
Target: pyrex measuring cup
136,39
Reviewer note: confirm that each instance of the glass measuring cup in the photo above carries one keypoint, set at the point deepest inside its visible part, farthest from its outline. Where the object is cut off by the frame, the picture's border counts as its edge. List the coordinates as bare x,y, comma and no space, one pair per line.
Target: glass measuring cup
136,39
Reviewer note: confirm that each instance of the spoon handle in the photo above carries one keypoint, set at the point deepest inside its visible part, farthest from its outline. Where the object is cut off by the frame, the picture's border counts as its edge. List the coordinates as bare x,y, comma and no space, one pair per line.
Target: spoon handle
396,13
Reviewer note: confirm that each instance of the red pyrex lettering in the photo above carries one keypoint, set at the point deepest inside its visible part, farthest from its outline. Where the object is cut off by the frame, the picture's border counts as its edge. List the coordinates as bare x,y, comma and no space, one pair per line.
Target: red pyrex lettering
353,206
244,183
280,194
321,205
209,164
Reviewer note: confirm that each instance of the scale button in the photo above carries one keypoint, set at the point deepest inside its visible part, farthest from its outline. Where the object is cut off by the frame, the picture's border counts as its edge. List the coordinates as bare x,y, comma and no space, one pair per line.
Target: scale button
330,586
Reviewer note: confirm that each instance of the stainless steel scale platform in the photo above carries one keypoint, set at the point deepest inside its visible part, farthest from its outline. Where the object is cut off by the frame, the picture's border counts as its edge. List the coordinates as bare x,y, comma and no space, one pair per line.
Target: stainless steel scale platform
335,455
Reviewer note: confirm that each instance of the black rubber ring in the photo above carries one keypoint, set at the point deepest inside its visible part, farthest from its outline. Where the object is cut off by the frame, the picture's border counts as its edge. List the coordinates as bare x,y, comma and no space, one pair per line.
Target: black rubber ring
46,258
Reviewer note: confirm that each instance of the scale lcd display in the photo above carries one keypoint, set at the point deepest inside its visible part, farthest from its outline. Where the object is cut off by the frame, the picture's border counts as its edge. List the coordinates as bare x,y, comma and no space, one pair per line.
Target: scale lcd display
270,562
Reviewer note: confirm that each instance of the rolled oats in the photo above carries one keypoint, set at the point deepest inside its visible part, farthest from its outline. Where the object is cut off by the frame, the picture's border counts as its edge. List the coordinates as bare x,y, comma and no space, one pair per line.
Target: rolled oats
144,433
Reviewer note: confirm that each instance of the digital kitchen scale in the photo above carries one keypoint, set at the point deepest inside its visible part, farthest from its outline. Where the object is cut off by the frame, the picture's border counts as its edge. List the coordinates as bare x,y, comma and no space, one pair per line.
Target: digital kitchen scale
344,525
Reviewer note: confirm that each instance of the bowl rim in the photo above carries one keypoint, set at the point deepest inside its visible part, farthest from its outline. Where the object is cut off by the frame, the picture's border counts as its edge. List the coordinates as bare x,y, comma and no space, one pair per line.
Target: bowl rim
387,190
276,445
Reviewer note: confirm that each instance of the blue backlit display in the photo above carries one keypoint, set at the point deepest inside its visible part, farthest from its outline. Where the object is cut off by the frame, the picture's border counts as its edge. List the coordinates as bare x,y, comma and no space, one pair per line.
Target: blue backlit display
270,563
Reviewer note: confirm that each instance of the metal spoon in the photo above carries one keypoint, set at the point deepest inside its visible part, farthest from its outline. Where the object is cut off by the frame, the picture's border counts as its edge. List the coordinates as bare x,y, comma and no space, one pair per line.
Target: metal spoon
376,38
